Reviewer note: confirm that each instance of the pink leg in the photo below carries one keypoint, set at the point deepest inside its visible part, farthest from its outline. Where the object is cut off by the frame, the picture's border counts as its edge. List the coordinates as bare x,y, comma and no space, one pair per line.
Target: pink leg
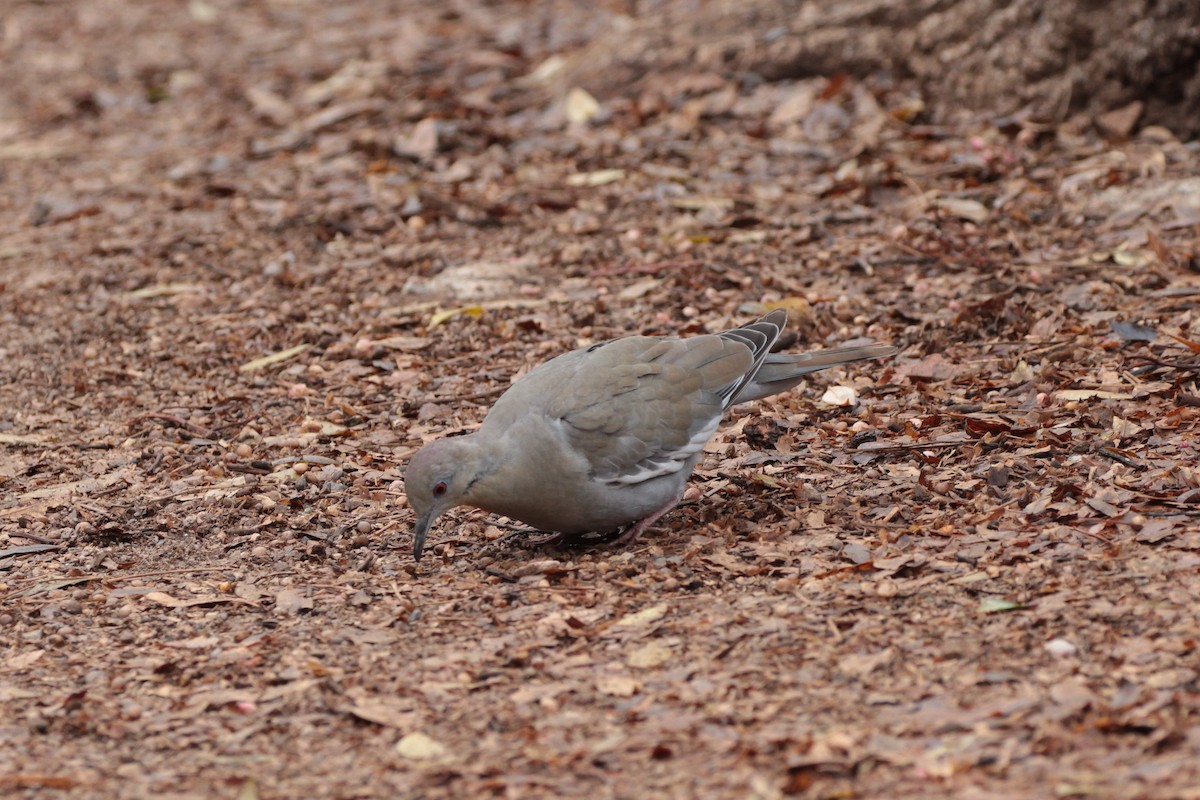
631,535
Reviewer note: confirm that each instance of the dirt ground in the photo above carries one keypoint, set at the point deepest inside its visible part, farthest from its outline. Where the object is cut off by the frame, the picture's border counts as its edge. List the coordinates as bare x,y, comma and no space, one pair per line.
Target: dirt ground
253,254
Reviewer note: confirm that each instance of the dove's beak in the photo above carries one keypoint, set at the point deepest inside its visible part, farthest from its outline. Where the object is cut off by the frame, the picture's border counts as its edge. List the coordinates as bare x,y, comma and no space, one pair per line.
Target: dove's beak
419,532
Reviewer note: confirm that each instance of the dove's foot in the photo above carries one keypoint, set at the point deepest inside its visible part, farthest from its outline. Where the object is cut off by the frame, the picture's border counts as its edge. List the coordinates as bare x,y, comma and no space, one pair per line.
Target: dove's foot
631,534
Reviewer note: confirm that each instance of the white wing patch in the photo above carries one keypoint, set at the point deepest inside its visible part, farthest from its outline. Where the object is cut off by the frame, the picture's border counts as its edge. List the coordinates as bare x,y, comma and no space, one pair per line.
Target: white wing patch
657,466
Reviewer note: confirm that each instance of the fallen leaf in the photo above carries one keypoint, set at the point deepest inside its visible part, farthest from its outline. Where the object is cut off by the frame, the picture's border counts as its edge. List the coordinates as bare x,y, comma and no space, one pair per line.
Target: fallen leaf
580,106
931,368
701,203
473,311
85,486
840,396
273,358
291,601
642,618
28,549
618,685
1119,123
17,438
1060,647
22,660
1188,343
1130,332
418,746
995,605
597,178
391,712
970,210
164,599
162,290
421,143
1123,428
1090,394
248,790
651,654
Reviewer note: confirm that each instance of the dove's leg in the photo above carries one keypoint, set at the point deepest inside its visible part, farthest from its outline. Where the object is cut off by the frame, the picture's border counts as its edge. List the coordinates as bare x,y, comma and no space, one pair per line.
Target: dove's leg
552,540
631,535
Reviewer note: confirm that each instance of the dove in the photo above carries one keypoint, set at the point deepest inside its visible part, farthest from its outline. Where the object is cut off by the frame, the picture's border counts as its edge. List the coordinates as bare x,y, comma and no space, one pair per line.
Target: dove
606,436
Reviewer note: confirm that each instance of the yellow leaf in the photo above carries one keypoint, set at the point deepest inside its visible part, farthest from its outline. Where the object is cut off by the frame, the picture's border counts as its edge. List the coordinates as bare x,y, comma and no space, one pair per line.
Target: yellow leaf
418,746
273,358
581,106
1090,394
700,202
475,311
643,618
597,178
649,655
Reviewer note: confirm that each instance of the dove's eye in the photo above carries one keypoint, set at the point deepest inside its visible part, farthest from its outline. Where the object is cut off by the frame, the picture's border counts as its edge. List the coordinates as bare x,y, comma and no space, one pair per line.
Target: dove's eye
439,488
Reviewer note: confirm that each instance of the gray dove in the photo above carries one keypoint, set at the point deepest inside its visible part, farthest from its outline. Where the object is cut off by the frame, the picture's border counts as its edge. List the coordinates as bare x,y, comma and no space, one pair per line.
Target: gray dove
607,435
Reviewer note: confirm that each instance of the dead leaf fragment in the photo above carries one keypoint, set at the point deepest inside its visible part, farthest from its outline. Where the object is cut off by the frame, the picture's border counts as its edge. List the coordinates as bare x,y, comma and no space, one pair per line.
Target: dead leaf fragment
418,746
1120,122
996,605
651,654
643,618
20,661
391,712
421,143
164,599
639,289
273,358
162,290
597,178
618,685
1090,394
844,396
970,210
581,107
474,311
291,601
933,367
702,203
1131,332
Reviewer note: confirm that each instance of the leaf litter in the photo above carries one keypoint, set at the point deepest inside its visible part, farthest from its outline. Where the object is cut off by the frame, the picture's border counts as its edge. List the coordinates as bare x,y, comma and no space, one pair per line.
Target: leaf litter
961,571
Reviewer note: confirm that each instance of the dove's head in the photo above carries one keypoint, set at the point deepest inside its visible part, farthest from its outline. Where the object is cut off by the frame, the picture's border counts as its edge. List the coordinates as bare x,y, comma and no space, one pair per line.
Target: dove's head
437,480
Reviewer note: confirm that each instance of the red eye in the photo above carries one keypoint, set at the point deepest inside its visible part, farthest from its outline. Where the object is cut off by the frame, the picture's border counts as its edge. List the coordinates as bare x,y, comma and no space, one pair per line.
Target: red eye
439,488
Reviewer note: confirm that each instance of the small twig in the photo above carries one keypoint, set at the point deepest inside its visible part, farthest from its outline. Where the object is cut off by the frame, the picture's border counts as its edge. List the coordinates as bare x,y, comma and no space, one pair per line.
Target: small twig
501,574
1096,536
905,448
119,577
172,419
1120,458
33,537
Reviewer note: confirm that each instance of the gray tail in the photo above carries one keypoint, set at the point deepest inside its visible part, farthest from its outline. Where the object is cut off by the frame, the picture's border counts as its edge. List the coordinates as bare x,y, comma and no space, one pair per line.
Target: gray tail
781,371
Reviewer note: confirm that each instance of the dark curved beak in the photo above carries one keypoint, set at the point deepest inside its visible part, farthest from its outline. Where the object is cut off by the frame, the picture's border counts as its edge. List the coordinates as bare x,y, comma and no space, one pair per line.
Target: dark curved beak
419,532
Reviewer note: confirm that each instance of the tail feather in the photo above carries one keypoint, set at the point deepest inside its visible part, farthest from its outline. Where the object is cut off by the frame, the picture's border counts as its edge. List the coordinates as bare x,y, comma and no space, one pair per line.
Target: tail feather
759,336
781,371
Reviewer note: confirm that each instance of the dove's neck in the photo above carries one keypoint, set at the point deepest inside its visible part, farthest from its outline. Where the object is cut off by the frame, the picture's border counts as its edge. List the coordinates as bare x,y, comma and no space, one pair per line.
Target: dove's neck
482,456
